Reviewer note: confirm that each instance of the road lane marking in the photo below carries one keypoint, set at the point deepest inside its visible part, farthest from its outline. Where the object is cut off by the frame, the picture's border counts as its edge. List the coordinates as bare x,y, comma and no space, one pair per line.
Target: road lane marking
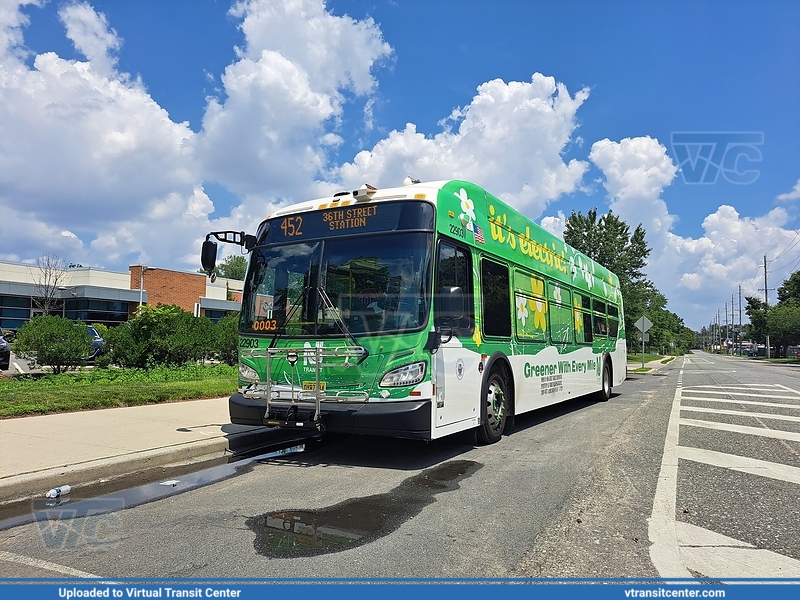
770,433
748,394
719,556
43,564
664,550
750,402
698,361
739,386
741,413
742,464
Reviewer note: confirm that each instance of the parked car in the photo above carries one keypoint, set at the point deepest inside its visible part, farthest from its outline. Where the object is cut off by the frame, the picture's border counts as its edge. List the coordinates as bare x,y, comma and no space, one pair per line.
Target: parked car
5,354
98,343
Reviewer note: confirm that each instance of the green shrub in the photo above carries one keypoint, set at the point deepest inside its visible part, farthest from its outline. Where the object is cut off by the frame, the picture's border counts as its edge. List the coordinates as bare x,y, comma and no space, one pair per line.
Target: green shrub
226,339
161,335
54,342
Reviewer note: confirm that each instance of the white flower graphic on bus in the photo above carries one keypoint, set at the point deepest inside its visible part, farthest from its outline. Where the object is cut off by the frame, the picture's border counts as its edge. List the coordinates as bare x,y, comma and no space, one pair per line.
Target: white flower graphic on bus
467,207
522,310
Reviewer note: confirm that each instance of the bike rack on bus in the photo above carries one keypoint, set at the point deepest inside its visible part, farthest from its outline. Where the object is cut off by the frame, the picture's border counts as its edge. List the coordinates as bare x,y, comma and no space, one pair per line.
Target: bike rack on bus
292,396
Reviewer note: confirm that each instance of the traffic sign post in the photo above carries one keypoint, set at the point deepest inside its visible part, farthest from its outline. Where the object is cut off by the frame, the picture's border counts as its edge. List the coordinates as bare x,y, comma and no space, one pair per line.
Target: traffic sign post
643,324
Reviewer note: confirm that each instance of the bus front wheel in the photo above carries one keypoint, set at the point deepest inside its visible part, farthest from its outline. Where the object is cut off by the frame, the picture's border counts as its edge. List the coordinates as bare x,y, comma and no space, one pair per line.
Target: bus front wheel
495,408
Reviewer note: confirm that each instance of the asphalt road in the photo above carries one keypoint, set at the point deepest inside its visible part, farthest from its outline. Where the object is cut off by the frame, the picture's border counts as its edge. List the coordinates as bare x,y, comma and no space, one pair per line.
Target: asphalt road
616,489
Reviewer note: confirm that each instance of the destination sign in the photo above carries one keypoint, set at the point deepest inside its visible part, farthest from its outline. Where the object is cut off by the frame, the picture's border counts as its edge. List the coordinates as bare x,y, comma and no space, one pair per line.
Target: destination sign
348,220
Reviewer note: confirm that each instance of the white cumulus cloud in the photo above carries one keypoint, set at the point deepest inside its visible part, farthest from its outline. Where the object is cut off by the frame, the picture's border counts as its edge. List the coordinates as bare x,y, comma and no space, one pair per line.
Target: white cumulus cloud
793,195
91,35
510,139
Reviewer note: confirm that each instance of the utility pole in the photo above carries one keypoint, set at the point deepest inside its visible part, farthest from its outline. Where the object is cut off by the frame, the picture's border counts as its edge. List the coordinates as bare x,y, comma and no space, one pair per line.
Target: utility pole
727,331
766,306
733,326
740,320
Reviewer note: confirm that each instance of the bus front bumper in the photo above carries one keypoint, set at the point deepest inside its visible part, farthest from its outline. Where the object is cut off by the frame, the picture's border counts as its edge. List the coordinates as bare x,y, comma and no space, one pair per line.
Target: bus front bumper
406,419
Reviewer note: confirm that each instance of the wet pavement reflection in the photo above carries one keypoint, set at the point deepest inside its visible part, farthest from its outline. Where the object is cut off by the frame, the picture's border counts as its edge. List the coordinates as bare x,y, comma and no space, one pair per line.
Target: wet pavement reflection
291,533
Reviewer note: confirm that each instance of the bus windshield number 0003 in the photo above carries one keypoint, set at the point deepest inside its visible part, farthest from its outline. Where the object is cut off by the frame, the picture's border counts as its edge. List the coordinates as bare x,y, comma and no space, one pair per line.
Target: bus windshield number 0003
291,226
268,325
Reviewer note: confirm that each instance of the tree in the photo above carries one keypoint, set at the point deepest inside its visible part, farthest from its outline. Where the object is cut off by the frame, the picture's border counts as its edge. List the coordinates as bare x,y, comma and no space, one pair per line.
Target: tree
48,281
789,292
54,342
231,267
757,313
783,323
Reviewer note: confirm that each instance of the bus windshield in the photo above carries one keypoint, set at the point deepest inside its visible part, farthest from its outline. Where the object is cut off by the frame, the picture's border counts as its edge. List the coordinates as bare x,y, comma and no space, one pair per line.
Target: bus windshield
370,284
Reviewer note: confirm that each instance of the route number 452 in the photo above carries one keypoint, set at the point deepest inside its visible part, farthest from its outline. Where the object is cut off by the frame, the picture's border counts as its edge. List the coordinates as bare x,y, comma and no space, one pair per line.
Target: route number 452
291,226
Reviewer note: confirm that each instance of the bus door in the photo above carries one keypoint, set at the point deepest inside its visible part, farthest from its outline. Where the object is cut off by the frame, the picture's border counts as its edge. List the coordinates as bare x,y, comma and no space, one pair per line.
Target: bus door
456,367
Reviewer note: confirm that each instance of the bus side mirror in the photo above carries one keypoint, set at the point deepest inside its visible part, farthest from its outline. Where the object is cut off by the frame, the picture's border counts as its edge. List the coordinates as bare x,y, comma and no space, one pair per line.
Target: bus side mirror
451,303
208,256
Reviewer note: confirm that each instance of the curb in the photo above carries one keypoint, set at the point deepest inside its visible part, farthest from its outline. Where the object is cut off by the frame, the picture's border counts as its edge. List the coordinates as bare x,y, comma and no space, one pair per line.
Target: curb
29,485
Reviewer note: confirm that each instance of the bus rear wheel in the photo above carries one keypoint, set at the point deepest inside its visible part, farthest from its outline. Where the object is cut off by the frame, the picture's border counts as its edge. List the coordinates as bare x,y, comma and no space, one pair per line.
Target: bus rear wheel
495,409
605,386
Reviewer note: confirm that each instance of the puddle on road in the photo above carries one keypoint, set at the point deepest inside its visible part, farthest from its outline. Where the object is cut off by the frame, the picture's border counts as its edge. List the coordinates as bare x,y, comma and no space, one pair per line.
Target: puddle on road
292,533
72,506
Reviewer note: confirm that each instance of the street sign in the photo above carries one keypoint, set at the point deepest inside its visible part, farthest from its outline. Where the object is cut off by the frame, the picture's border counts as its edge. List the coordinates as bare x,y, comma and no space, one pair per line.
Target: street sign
643,324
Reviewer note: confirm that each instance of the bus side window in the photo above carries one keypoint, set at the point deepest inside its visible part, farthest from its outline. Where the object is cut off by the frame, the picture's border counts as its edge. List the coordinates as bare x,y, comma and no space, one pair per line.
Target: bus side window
455,270
496,294
562,323
583,319
613,320
600,326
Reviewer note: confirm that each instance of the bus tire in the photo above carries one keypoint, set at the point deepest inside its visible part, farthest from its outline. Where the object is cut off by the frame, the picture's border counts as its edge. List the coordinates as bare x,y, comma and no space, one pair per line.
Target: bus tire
605,383
495,408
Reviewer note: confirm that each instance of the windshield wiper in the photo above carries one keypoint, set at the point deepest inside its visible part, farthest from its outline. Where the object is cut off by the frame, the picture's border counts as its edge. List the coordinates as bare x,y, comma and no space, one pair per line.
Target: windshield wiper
328,303
330,306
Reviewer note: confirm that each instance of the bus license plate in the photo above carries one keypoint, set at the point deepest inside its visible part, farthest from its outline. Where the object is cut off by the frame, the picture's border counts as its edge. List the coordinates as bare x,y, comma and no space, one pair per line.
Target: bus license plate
311,386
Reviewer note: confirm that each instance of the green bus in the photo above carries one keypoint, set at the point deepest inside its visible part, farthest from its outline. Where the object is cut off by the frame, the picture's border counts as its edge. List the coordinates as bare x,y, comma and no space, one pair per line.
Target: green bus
417,312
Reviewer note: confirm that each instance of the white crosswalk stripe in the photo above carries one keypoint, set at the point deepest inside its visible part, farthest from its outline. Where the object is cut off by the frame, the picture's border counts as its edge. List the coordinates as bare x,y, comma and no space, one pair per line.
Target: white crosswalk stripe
675,544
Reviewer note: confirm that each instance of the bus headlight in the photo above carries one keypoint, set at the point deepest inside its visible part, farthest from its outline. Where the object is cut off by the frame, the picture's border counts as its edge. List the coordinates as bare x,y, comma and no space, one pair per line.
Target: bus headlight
408,375
247,373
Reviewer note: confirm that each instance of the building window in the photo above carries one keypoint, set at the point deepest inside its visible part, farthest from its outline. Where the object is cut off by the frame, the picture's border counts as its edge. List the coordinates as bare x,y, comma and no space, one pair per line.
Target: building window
14,311
215,315
96,311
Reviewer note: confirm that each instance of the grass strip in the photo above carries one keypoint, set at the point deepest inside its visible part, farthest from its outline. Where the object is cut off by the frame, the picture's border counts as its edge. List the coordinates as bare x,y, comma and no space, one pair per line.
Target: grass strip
40,400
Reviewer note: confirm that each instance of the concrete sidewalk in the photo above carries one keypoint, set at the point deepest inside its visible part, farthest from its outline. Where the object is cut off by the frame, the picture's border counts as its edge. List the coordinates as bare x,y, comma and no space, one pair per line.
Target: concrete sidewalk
42,452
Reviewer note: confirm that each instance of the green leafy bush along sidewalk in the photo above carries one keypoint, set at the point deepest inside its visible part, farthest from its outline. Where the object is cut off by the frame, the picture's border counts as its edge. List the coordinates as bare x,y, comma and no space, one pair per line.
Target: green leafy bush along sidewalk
107,388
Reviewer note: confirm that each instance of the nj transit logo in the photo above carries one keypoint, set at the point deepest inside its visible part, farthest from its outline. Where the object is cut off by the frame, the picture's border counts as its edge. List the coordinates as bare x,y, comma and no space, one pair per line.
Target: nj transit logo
702,156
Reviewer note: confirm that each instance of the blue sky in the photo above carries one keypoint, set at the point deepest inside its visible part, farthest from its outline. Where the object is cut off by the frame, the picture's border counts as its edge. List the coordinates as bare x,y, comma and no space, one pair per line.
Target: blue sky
129,129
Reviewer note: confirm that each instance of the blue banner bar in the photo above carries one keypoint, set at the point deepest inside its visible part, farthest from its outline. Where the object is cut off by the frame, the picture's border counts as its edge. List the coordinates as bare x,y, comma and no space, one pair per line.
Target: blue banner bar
512,589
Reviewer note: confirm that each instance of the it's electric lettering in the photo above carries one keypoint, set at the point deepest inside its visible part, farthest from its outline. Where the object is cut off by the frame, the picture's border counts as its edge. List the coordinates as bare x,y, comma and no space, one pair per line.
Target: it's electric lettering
349,218
523,243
